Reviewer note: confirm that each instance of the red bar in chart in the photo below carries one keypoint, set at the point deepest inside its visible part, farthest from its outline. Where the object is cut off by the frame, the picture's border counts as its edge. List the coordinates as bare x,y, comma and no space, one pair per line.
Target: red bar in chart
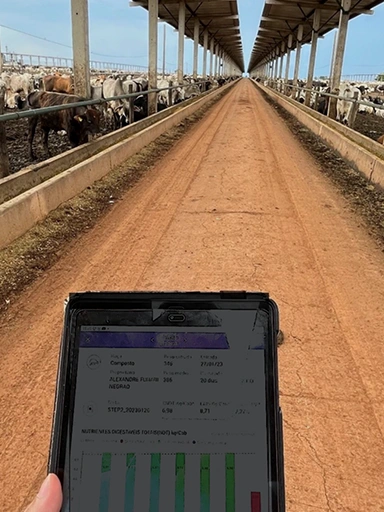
255,502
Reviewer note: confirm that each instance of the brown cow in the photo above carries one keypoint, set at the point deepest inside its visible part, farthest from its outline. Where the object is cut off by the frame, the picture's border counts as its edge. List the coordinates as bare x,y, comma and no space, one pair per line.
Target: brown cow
78,122
380,140
57,83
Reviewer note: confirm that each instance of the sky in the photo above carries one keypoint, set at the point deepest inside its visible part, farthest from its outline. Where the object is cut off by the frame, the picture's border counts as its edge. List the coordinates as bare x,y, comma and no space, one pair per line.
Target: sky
119,34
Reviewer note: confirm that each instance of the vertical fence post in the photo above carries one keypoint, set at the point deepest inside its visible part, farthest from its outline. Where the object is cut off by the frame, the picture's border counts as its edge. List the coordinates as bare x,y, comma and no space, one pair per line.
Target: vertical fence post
317,94
131,101
170,94
353,111
4,160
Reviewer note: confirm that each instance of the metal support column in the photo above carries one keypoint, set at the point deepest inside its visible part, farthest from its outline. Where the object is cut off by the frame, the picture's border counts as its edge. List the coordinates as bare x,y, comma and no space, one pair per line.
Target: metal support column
276,64
196,35
333,58
211,50
181,27
312,58
205,54
339,54
297,60
164,46
216,60
281,60
289,48
80,44
153,14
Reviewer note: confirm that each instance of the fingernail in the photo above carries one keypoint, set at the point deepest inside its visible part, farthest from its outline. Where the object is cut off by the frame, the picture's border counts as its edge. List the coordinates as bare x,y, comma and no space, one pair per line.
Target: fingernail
44,488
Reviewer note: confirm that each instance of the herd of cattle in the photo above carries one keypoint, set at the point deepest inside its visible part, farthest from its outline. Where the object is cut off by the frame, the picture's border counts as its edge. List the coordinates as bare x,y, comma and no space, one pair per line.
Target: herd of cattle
29,91
372,93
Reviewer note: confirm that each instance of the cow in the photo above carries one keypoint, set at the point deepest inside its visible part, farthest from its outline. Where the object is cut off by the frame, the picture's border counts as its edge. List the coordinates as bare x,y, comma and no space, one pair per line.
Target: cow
57,83
77,122
21,83
117,110
178,93
344,107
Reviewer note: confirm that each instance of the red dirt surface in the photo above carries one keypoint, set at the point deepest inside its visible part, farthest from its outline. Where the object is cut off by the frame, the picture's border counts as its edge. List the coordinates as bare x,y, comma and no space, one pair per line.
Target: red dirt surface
236,204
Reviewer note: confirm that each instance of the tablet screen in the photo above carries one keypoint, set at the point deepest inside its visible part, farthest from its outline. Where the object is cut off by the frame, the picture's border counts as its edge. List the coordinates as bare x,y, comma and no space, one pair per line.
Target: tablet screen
171,419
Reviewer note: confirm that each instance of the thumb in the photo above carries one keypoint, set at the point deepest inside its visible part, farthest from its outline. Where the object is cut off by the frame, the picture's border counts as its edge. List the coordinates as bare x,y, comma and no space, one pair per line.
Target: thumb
50,496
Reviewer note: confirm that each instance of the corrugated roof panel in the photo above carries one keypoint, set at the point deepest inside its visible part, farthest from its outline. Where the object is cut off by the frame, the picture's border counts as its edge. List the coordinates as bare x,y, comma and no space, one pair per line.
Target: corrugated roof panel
283,17
220,17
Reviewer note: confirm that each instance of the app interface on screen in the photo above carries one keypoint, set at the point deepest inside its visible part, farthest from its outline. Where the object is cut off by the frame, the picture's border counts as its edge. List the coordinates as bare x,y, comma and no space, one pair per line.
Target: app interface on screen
171,419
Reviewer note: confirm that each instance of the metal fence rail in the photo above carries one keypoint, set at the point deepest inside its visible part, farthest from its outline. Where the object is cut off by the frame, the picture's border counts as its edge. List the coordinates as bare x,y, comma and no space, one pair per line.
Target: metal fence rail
17,60
321,93
47,110
363,77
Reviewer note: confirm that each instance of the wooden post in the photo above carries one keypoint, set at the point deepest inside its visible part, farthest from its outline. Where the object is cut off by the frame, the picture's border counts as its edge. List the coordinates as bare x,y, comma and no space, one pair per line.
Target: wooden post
131,101
170,94
316,98
353,111
4,159
312,58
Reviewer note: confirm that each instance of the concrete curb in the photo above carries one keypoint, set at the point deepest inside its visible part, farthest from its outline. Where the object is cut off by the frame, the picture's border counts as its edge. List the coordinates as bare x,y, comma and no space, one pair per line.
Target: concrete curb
21,213
363,154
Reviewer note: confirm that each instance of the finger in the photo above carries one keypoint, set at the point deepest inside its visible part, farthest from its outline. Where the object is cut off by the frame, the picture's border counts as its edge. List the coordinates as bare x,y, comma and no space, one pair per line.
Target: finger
49,498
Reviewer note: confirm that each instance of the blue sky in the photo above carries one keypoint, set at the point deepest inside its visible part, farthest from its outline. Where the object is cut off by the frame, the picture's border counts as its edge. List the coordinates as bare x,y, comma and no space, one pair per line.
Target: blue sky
119,32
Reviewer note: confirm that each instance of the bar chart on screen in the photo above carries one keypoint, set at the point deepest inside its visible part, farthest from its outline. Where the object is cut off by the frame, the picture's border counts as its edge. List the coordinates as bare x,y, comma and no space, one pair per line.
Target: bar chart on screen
168,482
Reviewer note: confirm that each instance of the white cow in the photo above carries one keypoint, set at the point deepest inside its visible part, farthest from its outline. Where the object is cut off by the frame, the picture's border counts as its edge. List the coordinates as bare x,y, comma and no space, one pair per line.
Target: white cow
162,97
117,110
344,107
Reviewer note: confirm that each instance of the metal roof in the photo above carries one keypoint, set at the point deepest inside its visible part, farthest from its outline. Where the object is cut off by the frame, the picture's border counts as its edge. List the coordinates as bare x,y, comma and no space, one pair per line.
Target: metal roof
282,17
220,17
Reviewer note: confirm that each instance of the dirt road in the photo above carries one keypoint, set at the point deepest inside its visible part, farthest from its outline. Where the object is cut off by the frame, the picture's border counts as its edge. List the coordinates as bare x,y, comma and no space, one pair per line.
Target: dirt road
237,203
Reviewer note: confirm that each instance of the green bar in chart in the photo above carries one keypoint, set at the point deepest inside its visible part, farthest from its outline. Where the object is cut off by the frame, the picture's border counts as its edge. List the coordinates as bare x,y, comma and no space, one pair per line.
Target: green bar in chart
180,482
230,482
130,482
155,482
105,479
204,483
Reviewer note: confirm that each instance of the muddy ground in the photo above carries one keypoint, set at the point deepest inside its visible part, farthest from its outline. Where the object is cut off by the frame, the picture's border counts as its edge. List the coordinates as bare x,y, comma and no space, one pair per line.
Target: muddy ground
371,126
18,147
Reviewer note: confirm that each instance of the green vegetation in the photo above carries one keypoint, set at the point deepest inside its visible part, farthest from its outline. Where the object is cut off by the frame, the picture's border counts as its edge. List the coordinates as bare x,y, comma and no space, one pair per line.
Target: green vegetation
380,77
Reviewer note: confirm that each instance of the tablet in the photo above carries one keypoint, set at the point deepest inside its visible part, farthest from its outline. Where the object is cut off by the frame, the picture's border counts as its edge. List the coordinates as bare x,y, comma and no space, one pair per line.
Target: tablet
169,402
